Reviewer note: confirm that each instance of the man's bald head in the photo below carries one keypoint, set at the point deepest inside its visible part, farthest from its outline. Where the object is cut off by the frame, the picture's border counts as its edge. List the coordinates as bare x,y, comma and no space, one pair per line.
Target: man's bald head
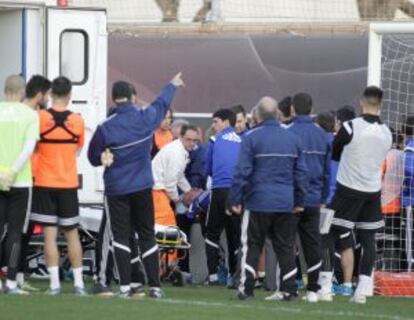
14,88
266,109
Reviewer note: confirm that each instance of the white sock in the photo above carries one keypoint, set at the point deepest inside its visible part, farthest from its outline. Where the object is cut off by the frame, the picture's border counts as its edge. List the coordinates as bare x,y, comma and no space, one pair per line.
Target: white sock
348,284
125,289
363,284
54,277
20,278
78,277
11,284
213,277
325,281
261,274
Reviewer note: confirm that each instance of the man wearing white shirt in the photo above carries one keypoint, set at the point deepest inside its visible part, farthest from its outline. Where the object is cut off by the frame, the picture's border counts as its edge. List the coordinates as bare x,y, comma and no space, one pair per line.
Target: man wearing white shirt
168,168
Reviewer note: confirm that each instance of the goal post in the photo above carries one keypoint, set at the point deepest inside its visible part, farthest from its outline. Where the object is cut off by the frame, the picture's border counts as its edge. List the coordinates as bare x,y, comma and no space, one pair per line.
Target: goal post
391,67
376,33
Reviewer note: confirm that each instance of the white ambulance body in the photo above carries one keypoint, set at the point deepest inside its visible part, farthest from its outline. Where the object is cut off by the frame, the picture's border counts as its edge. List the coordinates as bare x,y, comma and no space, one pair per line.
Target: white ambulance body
42,38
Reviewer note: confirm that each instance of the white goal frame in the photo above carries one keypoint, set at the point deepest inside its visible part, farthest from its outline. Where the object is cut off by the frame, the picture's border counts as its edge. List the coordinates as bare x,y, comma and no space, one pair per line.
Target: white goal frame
376,31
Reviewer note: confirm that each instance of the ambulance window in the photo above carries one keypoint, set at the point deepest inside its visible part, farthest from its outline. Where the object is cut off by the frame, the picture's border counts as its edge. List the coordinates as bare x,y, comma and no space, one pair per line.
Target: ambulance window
74,56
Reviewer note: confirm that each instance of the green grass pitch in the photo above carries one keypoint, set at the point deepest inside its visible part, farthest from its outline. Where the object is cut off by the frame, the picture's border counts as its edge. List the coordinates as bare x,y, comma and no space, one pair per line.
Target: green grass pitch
195,303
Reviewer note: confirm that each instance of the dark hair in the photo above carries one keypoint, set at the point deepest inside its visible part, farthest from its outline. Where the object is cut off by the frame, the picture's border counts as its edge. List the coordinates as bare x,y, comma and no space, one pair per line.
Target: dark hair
238,109
345,113
326,120
37,84
302,103
373,95
187,127
61,87
285,106
409,125
133,91
226,114
121,90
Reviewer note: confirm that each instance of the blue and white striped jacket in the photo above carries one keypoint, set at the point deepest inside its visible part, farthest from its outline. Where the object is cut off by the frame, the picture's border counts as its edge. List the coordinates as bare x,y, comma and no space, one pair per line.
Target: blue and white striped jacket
128,132
271,173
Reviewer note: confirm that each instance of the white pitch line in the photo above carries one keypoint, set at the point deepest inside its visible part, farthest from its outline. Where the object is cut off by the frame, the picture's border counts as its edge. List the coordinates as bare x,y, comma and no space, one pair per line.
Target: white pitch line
297,310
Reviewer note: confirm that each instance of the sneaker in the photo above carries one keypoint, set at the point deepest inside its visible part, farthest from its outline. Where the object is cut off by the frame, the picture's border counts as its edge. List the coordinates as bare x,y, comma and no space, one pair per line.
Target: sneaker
80,292
222,274
156,293
242,296
124,294
280,296
325,296
138,292
213,280
102,291
300,284
341,290
187,277
311,297
53,292
231,283
40,273
27,287
16,291
360,299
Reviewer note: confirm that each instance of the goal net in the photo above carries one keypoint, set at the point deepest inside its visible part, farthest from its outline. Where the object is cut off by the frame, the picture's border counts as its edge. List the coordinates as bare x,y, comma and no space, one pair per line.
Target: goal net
257,11
392,68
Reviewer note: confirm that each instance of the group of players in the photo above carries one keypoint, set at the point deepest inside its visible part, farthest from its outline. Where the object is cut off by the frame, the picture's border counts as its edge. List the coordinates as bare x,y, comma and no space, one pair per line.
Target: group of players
267,181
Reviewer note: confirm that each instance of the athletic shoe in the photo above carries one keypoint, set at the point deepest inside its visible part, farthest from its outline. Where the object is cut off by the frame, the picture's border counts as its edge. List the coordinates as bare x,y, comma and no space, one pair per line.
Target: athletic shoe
16,291
80,292
156,293
311,297
212,280
222,274
27,287
281,296
231,283
325,296
40,273
242,296
341,290
124,295
187,277
360,299
102,291
53,292
301,284
138,292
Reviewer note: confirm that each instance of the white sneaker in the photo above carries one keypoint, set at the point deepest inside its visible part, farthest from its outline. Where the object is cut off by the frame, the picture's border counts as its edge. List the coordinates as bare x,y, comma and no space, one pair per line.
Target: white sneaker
311,297
280,296
360,299
325,296
276,296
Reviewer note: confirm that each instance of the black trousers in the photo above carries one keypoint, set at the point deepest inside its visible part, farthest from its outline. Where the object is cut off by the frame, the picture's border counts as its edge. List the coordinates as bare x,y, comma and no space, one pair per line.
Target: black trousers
281,230
104,255
14,214
310,238
134,213
23,267
185,226
216,221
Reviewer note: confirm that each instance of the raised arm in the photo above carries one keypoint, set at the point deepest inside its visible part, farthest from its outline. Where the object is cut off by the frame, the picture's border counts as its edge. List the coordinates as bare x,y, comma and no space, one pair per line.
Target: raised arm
157,110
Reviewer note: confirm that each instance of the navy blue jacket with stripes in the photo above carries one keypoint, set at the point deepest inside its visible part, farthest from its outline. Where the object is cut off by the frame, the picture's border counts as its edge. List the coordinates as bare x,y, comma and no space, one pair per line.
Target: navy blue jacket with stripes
128,132
317,154
271,174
